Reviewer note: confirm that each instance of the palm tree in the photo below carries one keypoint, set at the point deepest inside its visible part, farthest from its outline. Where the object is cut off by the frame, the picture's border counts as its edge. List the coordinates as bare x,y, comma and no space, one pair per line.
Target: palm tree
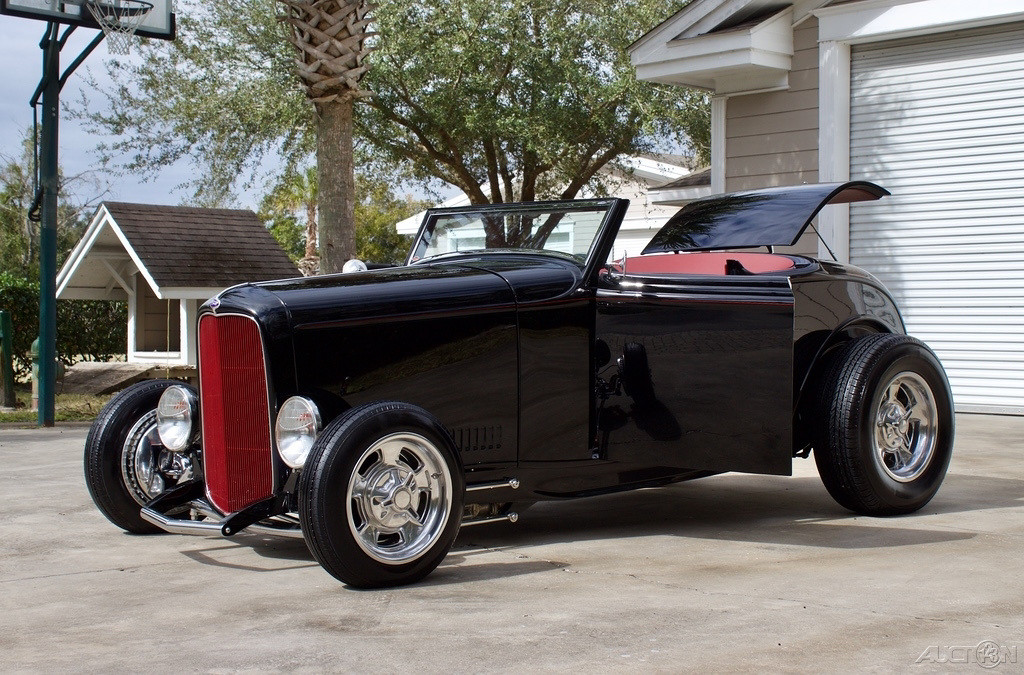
330,38
298,191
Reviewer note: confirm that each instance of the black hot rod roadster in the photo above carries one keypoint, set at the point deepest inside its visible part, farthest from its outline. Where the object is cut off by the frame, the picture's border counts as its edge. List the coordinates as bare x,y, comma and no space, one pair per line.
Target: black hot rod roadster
514,358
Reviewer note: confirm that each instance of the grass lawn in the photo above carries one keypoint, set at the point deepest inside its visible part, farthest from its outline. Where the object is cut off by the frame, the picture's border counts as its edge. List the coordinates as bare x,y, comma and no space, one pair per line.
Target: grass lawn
69,407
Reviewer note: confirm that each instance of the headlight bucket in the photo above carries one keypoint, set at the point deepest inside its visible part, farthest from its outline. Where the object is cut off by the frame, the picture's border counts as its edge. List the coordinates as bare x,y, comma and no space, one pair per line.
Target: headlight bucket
175,417
297,426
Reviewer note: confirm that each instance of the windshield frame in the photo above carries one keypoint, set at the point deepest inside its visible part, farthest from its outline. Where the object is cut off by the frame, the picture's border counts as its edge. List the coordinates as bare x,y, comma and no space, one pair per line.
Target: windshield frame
613,209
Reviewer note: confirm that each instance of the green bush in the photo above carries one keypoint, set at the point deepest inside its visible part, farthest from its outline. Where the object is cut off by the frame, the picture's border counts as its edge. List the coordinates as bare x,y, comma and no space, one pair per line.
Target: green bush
93,330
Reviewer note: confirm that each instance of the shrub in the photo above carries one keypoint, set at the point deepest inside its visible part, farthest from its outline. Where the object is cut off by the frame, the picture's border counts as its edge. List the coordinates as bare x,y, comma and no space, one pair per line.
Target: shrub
93,330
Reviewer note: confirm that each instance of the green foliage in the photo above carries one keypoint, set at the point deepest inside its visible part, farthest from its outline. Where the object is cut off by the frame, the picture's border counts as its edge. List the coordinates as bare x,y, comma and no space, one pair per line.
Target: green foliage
294,192
17,241
19,237
288,233
529,97
91,330
20,298
85,329
377,211
223,94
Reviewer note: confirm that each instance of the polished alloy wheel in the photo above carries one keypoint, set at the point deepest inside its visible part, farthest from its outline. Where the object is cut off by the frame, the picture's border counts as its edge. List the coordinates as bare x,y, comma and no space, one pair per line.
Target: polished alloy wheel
905,427
399,498
146,466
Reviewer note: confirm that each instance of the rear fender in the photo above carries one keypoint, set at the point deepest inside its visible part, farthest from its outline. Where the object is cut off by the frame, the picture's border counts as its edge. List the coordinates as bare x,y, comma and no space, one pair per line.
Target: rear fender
804,400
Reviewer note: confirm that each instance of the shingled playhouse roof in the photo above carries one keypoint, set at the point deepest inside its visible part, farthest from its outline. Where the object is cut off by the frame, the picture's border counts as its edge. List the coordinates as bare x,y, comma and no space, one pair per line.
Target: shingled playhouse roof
187,246
174,247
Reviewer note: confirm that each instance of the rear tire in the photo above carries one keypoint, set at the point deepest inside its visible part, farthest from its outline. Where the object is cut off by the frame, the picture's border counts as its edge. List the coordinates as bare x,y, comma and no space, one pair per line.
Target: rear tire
381,495
884,425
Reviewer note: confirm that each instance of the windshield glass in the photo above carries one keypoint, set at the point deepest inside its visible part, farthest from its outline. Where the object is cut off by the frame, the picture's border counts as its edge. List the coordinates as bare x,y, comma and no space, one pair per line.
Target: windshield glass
567,228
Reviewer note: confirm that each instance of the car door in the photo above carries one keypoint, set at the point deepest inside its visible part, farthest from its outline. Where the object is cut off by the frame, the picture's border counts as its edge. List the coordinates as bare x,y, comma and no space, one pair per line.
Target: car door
704,367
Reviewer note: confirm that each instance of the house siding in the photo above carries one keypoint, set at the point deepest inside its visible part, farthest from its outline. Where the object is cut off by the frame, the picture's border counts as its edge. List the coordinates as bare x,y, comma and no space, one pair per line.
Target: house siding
772,138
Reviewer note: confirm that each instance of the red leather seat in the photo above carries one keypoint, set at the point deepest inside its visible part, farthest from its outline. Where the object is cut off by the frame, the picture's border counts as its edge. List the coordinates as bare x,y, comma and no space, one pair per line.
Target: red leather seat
705,263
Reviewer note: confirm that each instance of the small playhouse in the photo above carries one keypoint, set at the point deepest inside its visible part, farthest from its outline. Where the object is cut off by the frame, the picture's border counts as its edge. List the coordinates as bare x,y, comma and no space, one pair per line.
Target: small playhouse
165,261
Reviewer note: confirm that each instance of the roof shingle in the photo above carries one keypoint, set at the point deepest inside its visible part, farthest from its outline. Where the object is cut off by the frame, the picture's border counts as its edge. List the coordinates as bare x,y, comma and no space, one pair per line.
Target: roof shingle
189,247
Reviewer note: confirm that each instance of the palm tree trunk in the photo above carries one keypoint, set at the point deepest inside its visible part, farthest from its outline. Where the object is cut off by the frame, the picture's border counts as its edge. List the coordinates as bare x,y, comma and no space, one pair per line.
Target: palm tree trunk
329,37
311,236
336,169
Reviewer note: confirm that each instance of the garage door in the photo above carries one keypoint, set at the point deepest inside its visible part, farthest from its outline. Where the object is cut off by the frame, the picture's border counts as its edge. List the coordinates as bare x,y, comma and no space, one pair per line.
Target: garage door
940,122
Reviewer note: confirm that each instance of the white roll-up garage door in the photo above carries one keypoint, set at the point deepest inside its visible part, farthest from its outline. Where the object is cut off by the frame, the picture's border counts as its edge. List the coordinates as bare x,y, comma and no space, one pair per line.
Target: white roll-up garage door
939,121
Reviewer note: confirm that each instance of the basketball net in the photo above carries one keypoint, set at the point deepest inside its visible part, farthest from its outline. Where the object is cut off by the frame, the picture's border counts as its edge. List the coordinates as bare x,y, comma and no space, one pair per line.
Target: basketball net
119,20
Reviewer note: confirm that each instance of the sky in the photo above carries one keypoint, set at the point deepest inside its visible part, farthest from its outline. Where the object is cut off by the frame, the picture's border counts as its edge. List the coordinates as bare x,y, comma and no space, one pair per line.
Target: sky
22,67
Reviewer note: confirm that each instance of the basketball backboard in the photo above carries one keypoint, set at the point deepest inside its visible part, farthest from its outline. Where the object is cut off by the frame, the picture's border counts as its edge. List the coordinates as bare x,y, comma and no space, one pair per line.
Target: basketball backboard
157,23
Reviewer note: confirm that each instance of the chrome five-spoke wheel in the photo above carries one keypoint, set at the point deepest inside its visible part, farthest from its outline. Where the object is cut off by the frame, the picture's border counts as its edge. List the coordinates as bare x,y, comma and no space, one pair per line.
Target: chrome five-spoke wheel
399,498
148,468
381,495
883,429
906,424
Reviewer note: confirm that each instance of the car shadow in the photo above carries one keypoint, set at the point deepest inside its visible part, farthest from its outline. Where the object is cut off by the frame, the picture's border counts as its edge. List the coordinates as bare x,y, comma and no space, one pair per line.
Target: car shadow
777,510
783,510
273,549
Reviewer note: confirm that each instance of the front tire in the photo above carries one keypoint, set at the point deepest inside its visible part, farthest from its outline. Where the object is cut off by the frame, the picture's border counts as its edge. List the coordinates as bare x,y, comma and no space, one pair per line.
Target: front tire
381,495
885,425
126,465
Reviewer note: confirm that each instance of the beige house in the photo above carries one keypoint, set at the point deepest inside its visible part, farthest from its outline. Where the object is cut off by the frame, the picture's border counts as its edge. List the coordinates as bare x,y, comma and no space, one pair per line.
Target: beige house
925,97
165,261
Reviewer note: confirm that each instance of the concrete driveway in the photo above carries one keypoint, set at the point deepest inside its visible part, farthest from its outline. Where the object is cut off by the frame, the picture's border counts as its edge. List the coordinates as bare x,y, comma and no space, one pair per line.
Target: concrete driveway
731,573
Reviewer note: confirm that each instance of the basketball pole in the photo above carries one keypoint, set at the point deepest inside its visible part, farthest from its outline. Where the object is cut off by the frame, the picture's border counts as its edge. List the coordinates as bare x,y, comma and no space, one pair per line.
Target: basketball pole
49,87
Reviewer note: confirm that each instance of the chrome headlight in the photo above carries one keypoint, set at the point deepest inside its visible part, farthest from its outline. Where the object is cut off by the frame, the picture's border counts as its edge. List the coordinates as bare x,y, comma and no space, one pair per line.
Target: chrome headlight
175,414
298,423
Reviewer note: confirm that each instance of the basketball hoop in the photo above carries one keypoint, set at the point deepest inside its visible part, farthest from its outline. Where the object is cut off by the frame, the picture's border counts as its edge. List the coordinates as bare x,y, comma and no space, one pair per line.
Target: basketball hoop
119,20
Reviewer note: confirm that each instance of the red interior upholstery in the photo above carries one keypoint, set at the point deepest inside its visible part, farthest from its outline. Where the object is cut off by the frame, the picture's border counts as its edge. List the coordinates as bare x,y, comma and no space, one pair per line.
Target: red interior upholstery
705,263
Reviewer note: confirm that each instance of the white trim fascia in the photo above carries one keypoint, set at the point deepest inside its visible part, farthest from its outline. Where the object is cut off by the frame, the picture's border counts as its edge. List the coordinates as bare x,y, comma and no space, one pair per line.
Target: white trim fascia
718,104
188,309
674,25
839,27
650,169
679,196
95,294
874,20
157,358
757,57
716,15
834,142
133,310
804,10
135,258
181,292
82,248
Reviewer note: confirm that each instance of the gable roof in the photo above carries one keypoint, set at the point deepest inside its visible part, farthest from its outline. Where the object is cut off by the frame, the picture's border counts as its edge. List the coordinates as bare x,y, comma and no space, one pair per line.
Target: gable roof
726,46
181,251
184,246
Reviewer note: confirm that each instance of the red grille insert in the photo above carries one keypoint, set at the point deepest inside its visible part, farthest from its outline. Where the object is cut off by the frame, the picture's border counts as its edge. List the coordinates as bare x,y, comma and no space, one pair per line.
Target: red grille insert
237,451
